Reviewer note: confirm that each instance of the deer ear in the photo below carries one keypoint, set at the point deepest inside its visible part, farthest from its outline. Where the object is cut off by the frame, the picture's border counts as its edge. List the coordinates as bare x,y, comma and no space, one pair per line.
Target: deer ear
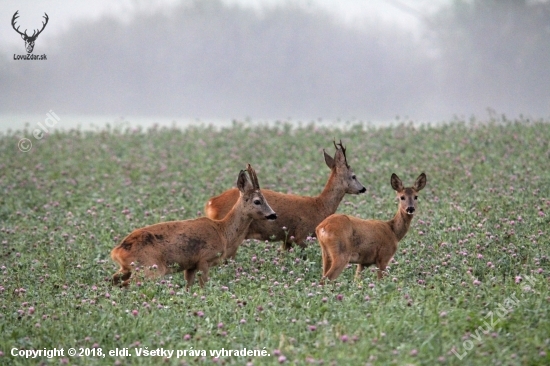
420,182
23,36
243,184
396,183
328,160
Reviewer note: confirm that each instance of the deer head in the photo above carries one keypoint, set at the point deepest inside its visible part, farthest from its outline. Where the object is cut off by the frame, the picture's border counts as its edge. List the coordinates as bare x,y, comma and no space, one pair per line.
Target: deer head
408,195
29,40
342,171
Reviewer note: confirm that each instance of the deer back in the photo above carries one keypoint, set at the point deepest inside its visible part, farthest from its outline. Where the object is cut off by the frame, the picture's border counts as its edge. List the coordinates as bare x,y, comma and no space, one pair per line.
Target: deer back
191,244
297,215
178,244
346,239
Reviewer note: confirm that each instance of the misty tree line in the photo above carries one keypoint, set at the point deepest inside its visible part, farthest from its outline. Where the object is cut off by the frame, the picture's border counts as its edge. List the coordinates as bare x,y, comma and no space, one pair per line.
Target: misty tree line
497,47
207,59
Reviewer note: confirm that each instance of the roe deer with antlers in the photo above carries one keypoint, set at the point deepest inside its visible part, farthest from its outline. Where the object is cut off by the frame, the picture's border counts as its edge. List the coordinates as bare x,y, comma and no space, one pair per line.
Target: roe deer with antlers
346,239
192,245
298,214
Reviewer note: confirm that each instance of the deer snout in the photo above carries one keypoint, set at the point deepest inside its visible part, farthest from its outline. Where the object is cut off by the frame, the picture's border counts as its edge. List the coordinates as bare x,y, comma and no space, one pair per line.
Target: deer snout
363,190
273,216
410,210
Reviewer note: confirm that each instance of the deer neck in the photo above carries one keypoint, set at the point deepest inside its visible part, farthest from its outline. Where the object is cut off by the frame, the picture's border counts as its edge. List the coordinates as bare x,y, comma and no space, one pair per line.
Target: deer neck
235,225
331,196
400,224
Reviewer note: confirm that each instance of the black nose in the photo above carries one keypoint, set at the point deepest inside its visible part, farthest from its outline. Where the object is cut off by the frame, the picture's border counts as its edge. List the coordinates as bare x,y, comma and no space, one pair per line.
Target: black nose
271,217
410,210
363,190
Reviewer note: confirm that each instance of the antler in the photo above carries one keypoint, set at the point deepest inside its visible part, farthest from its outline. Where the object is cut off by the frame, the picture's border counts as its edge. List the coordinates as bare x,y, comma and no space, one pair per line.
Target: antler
339,146
15,16
253,176
34,34
43,25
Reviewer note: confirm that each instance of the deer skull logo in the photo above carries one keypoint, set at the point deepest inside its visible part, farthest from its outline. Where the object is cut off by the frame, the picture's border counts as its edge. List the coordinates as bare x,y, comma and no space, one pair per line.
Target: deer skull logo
29,40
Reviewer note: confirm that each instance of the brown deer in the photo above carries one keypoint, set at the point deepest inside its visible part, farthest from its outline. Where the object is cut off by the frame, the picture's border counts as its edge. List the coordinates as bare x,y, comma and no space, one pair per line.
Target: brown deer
346,239
298,214
192,245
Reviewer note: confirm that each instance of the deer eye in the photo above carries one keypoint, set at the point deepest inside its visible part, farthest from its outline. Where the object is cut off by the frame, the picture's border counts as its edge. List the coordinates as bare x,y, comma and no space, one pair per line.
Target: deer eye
402,198
353,177
415,197
257,202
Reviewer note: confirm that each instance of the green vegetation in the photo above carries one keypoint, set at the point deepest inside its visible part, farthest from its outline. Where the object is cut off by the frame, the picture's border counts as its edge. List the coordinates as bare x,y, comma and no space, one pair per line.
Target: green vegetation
477,253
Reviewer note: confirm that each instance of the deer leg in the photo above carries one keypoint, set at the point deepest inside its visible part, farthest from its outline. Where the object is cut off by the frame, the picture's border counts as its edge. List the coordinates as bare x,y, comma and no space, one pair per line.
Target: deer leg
123,275
338,265
381,269
154,272
324,258
230,254
286,245
125,271
301,241
189,275
203,267
334,272
327,261
360,268
227,257
298,242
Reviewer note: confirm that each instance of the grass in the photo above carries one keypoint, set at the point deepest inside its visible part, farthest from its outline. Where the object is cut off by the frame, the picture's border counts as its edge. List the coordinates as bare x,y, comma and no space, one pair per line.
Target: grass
482,224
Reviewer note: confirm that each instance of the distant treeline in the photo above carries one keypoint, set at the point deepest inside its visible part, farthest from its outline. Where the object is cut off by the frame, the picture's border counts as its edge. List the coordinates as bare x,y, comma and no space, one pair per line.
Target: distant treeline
209,59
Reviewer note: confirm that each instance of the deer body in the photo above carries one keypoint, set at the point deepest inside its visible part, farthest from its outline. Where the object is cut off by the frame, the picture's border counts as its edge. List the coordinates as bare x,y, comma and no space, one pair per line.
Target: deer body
192,245
346,239
298,214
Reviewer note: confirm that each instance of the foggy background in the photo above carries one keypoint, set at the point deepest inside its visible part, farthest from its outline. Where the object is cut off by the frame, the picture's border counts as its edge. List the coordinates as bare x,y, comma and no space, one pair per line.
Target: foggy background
425,60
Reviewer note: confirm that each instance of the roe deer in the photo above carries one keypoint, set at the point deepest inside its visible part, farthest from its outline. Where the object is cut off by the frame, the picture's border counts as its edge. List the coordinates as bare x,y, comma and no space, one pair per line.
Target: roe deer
192,245
298,214
347,239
